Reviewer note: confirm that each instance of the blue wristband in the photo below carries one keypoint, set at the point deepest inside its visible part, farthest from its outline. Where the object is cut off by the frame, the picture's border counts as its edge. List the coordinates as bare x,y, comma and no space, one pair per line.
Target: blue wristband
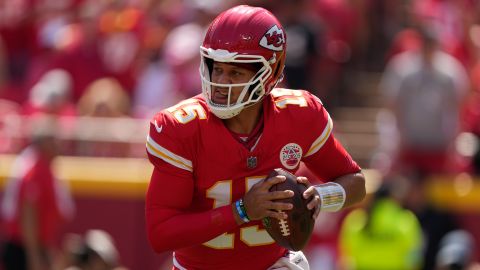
241,210
242,206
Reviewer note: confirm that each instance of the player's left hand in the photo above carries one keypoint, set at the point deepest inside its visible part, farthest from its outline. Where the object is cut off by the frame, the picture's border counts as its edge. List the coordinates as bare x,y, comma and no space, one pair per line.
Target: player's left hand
312,195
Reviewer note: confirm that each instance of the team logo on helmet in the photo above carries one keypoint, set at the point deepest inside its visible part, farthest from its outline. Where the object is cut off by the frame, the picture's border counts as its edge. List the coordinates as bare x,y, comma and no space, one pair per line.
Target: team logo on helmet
290,155
273,39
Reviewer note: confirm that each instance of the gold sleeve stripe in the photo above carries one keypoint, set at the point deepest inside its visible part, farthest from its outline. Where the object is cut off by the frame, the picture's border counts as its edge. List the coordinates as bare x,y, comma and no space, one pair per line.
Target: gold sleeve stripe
320,141
156,150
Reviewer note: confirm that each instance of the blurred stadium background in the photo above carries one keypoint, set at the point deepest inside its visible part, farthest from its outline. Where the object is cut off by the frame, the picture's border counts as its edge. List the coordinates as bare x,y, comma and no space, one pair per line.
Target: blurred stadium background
104,67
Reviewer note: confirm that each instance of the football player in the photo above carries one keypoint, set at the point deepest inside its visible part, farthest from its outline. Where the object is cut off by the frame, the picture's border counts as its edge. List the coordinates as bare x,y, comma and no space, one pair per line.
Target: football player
211,153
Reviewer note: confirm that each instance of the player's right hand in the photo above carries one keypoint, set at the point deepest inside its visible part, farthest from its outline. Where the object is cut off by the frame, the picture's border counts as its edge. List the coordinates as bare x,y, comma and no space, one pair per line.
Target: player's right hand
259,201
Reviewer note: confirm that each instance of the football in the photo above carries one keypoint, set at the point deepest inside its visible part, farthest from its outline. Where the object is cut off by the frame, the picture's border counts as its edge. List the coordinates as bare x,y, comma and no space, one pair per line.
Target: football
294,232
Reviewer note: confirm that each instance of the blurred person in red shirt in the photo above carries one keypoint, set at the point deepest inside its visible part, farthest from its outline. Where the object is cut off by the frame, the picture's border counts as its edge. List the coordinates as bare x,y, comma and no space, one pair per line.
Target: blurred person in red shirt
36,204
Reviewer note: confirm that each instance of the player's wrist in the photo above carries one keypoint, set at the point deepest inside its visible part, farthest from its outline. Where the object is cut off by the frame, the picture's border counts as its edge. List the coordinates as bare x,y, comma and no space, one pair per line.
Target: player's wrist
241,211
236,216
332,196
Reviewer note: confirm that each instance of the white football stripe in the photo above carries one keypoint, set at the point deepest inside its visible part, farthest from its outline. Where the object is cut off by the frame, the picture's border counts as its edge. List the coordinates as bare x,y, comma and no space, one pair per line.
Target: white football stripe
320,141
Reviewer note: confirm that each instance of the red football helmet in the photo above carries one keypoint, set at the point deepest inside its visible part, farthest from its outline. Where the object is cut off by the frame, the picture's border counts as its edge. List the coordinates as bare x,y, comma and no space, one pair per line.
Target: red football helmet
243,34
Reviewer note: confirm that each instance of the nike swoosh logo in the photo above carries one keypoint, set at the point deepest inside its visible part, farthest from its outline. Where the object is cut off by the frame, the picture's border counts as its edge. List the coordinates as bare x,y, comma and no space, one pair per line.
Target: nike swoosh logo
158,128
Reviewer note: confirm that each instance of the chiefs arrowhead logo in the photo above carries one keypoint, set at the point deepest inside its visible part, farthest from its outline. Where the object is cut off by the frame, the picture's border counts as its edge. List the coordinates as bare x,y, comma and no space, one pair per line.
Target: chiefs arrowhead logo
290,155
273,39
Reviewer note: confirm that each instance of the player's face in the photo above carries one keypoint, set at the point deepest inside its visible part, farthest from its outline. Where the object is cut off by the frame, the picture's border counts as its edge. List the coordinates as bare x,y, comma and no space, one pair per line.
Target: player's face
224,73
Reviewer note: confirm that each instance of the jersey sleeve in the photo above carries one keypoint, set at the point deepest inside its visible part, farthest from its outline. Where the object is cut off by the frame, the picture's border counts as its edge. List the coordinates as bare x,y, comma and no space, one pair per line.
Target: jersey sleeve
325,157
170,192
169,221
167,145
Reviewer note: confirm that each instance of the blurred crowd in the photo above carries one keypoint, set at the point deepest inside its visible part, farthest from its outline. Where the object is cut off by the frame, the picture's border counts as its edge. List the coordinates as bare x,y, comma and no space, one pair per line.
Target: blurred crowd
130,58
124,60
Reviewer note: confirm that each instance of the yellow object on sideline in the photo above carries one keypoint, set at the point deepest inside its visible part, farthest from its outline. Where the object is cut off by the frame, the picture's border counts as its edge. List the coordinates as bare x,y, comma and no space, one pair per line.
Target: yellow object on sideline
96,177
129,177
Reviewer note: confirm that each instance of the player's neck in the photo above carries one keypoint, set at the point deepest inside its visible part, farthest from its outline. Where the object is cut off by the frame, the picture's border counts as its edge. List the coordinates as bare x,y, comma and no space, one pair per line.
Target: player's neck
245,121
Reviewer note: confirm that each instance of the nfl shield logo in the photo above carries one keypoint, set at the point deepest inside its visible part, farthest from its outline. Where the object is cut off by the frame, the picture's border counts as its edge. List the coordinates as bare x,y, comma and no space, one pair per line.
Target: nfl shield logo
251,162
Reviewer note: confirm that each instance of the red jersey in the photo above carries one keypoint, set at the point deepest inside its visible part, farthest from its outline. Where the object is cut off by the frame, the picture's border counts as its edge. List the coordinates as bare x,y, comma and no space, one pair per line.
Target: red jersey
200,169
33,181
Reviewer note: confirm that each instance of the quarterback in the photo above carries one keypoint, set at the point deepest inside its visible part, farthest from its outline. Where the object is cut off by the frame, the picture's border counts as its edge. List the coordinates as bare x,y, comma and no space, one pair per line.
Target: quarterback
211,153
